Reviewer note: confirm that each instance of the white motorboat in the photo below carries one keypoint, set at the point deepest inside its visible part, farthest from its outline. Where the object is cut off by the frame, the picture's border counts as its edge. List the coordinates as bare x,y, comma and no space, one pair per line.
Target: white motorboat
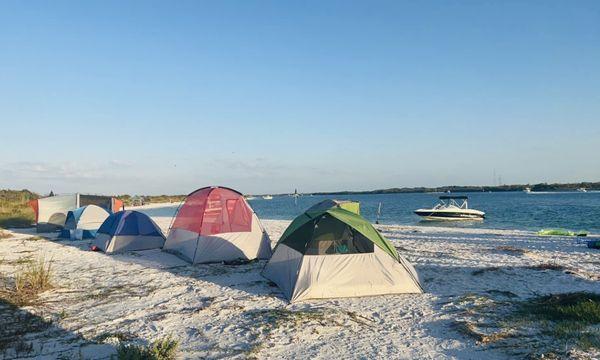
450,209
582,189
527,190
267,197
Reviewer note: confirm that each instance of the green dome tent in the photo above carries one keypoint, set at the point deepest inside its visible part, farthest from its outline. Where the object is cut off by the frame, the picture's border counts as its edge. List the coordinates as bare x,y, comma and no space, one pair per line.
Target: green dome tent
334,252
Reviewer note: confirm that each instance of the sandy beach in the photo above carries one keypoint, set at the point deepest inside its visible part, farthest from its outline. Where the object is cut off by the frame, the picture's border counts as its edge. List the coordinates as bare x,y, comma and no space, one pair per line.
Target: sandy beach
221,311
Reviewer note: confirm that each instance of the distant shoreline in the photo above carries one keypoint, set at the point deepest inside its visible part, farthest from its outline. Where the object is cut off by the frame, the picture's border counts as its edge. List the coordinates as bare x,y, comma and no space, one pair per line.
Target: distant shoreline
542,187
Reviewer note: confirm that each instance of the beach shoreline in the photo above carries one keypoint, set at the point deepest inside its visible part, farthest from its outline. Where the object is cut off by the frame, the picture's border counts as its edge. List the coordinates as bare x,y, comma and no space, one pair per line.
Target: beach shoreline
216,310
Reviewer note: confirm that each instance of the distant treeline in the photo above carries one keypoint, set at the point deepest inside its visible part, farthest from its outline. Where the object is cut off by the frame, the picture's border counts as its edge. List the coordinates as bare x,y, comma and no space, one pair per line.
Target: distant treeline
467,189
150,199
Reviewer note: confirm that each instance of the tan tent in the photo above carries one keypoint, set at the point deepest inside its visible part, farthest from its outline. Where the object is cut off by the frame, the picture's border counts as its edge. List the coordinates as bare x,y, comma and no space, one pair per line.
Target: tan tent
337,253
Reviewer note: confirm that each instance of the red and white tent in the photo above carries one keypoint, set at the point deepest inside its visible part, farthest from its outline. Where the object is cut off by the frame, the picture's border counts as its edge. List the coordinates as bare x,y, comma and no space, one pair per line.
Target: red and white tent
216,224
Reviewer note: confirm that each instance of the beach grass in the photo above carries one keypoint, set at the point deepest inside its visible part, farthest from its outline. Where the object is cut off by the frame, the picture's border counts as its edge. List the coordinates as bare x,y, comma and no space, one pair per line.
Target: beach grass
570,318
542,326
581,307
31,279
14,211
161,349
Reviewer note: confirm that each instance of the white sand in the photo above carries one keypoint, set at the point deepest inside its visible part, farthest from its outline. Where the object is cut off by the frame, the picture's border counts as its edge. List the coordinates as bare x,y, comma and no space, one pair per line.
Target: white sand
219,311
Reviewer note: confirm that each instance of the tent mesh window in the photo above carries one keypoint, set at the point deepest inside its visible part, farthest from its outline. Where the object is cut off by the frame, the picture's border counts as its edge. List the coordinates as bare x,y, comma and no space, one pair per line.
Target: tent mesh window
212,211
331,236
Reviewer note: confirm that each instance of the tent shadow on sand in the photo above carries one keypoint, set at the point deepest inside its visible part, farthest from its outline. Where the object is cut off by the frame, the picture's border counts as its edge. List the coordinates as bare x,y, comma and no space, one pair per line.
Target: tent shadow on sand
54,237
24,334
243,275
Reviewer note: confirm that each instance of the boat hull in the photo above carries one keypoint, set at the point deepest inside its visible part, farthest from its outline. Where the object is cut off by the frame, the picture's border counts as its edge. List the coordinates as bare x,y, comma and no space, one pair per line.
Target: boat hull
450,215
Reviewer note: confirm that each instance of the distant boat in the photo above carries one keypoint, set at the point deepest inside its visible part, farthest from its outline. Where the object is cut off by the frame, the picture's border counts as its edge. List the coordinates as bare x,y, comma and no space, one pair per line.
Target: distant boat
527,190
582,190
267,197
249,197
449,209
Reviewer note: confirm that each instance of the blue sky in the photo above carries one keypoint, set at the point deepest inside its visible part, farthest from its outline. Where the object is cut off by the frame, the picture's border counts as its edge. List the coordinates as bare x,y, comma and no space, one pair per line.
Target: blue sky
268,96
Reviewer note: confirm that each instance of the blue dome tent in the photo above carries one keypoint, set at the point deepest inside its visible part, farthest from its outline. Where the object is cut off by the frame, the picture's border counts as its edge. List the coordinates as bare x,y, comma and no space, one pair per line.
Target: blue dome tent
128,231
83,222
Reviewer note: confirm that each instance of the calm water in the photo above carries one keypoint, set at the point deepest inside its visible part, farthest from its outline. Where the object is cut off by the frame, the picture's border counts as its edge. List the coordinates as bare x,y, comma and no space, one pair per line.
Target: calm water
514,210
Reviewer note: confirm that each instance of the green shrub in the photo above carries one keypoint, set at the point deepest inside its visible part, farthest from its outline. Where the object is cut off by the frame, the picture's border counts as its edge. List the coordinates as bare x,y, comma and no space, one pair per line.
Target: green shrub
581,307
160,349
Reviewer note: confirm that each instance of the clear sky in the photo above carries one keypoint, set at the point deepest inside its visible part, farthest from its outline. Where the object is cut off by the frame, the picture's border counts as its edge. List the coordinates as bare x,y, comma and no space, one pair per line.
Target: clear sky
267,96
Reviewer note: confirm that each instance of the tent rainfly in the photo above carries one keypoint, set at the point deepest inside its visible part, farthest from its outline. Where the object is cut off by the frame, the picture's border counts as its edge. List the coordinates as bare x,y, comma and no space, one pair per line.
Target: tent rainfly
128,231
216,224
51,212
352,206
83,222
331,253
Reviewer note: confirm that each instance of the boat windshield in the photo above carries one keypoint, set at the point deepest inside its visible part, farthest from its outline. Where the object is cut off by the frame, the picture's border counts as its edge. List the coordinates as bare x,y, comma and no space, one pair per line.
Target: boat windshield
451,203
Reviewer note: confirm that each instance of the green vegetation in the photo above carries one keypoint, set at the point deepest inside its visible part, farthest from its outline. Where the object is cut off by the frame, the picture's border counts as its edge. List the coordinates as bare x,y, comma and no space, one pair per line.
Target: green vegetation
161,349
31,279
538,327
14,211
582,307
570,318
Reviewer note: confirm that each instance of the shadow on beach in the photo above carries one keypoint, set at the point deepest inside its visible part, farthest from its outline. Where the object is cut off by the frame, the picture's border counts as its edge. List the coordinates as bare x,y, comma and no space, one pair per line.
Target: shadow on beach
24,334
